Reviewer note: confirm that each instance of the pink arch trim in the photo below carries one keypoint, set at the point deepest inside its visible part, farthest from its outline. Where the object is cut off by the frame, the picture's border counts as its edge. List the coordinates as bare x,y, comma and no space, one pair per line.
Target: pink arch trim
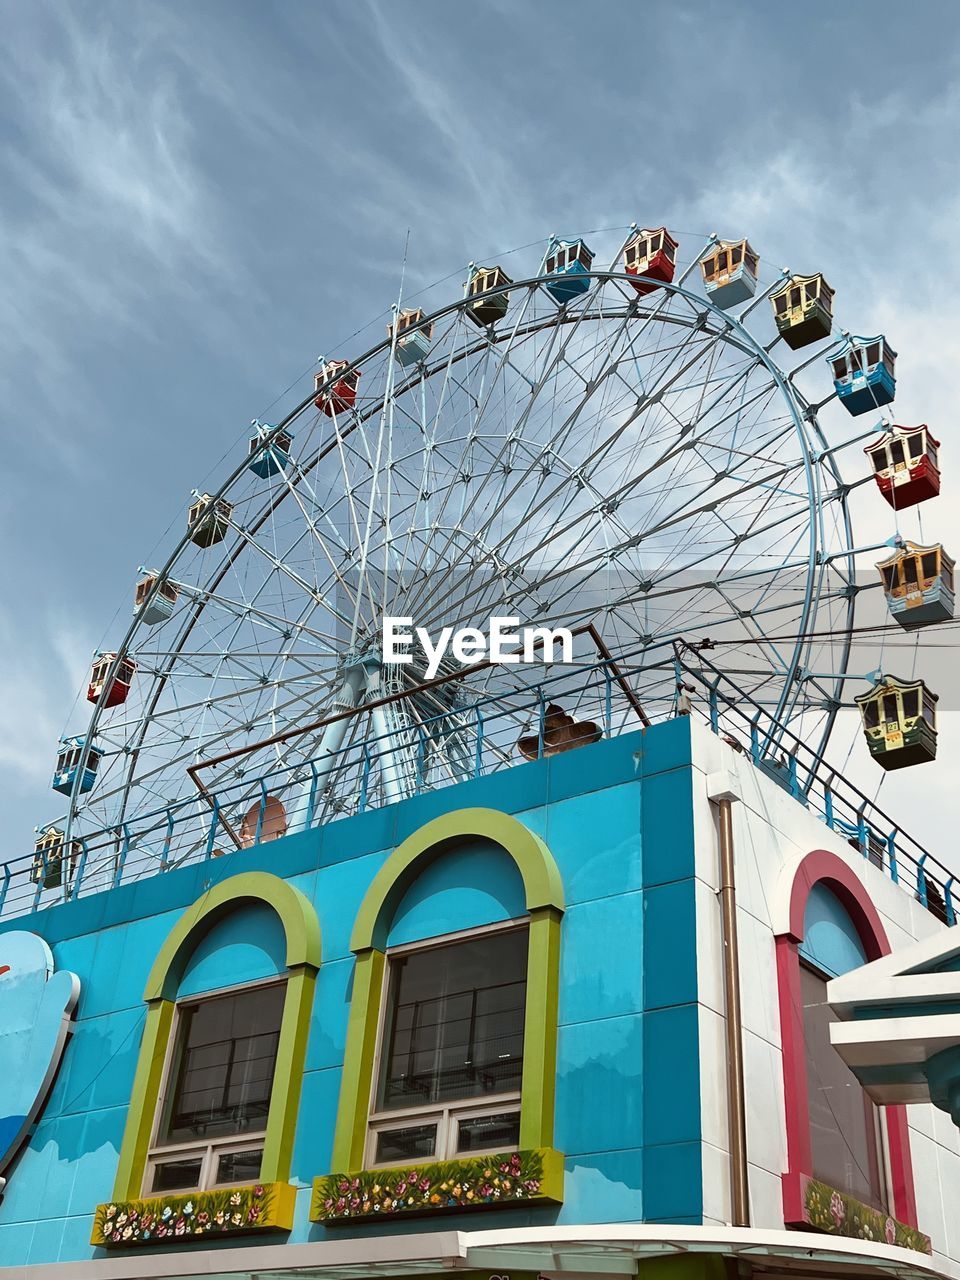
822,867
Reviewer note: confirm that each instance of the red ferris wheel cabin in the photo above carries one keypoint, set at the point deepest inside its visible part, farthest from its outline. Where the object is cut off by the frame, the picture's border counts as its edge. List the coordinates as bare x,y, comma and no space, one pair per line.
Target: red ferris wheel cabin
906,465
651,256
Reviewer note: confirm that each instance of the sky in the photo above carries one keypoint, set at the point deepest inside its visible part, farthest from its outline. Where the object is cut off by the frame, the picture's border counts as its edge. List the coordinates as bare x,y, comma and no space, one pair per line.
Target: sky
198,198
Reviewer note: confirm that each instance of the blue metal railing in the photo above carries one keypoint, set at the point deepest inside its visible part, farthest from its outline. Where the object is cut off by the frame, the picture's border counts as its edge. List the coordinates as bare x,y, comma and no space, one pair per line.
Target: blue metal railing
193,828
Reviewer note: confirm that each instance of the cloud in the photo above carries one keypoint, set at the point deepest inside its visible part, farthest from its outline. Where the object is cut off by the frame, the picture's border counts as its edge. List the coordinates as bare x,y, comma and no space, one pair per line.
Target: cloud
105,208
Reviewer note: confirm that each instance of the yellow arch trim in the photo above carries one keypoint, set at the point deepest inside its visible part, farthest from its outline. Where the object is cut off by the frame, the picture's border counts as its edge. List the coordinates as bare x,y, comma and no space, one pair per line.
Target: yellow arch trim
302,932
299,920
542,884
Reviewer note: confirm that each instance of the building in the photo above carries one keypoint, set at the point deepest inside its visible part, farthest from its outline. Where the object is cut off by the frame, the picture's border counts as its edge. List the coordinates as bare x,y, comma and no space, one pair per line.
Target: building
483,1030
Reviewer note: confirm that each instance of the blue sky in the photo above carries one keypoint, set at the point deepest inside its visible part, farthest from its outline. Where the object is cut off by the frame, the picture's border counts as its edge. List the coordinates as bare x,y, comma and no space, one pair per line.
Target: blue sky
199,198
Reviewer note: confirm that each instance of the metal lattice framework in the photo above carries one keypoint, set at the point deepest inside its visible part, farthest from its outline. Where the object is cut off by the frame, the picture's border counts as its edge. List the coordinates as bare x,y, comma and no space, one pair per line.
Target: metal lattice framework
641,465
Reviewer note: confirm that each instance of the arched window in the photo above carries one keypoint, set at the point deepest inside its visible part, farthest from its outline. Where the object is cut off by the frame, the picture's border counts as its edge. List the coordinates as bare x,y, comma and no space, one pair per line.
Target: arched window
217,1084
835,1134
451,1043
845,1133
209,1126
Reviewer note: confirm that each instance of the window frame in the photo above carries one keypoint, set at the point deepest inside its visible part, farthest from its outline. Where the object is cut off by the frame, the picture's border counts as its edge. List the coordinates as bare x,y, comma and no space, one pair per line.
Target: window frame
212,1148
304,950
447,1113
820,866
544,903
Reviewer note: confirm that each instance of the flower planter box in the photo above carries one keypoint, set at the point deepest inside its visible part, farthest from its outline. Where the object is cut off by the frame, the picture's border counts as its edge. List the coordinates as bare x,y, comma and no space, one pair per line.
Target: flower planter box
194,1216
826,1209
517,1177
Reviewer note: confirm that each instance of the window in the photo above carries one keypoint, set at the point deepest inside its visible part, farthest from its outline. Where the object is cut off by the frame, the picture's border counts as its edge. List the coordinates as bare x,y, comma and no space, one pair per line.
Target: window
781,303
896,453
871,714
839,369
890,710
889,576
910,571
736,256
873,353
843,1120
911,703
795,297
827,926
880,460
211,1127
930,564
451,1053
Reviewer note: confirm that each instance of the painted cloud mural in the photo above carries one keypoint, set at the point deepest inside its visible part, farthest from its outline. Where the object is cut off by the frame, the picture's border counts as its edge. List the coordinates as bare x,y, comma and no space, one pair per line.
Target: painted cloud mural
36,1009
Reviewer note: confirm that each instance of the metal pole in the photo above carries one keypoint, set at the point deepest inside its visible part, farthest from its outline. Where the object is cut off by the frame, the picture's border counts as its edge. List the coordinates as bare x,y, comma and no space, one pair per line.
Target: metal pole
739,1189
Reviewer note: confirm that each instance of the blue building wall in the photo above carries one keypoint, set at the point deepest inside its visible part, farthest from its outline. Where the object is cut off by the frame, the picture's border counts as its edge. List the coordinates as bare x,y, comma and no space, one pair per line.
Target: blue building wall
617,817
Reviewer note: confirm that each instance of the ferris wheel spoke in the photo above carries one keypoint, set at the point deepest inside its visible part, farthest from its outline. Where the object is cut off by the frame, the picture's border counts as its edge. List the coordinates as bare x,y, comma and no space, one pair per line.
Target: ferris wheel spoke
555,355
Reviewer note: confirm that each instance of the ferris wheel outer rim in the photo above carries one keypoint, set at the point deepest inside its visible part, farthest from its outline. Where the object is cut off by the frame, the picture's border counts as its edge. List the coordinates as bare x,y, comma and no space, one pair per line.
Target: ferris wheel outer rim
727,323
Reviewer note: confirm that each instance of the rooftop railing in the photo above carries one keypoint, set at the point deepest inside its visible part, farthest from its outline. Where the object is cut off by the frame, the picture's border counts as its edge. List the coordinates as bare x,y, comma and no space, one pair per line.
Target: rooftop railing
478,734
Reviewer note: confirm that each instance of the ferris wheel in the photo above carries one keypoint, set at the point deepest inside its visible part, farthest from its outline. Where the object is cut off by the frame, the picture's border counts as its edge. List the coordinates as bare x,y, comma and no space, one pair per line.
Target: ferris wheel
632,452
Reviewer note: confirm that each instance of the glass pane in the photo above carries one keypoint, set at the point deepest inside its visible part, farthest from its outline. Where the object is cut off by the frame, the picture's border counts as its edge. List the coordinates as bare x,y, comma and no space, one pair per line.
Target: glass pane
488,1133
174,1175
890,711
916,445
910,570
736,255
839,369
239,1166
889,576
871,714
930,564
896,451
455,1021
794,297
873,353
843,1122
721,262
781,304
911,703
880,460
406,1144
225,1055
